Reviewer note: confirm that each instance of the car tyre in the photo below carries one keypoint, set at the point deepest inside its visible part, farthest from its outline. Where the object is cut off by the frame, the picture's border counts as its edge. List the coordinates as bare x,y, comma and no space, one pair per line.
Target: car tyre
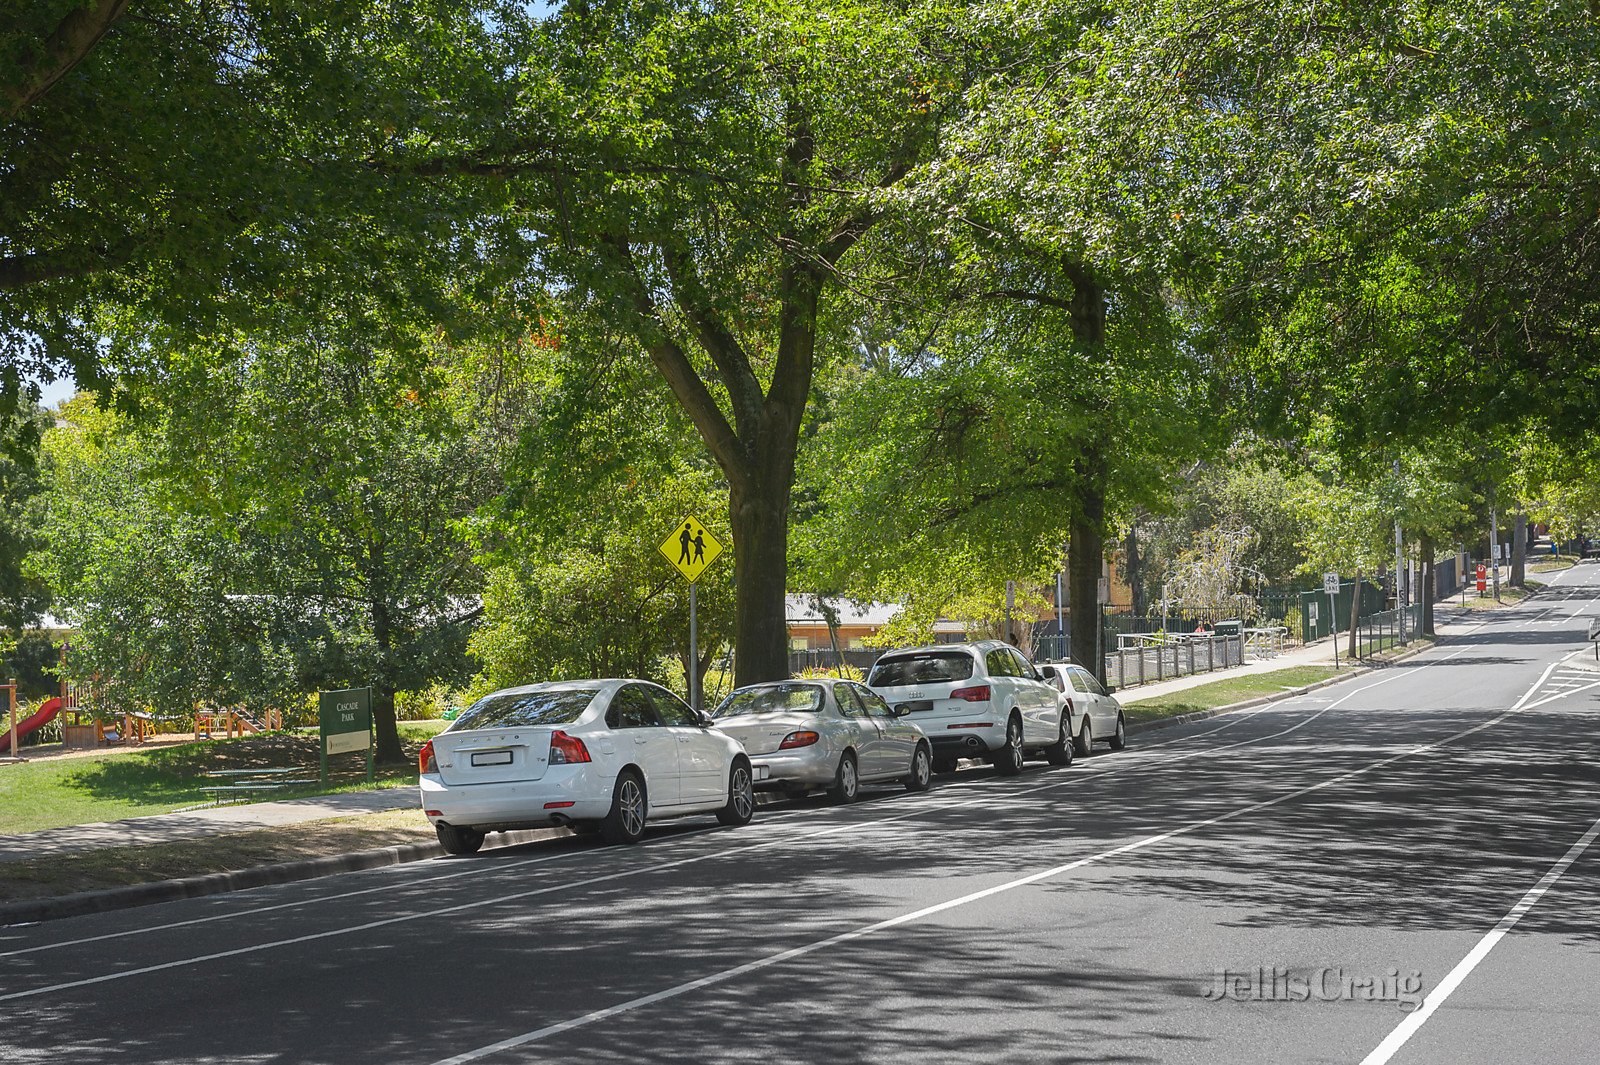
1085,741
1060,752
457,840
741,806
1119,738
846,780
1008,759
945,765
629,809
921,778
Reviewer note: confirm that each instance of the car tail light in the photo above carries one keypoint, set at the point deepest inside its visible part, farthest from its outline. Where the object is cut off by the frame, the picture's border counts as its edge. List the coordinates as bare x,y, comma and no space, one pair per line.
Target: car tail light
565,750
978,693
425,762
804,738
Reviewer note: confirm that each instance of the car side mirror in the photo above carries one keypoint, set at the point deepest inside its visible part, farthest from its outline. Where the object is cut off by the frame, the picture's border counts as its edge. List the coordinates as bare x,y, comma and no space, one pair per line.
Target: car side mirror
898,711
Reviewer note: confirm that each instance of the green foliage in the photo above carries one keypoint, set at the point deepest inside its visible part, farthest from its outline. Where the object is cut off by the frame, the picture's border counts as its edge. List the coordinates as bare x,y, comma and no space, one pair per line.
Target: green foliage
605,469
288,525
201,166
32,660
22,599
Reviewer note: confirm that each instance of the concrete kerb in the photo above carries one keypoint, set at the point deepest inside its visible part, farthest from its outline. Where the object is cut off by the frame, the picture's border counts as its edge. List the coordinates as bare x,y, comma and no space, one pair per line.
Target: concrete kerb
87,902
81,903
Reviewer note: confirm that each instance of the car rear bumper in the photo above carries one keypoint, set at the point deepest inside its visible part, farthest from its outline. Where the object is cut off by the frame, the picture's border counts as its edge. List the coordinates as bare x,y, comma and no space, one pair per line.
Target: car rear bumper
812,766
517,804
963,742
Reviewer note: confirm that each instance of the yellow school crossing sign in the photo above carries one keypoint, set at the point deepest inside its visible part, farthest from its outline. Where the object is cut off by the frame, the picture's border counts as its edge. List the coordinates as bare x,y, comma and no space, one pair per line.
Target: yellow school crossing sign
691,548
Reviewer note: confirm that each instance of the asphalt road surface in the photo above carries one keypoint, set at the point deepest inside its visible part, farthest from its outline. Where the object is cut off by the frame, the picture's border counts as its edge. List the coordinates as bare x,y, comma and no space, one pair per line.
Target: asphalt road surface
1402,867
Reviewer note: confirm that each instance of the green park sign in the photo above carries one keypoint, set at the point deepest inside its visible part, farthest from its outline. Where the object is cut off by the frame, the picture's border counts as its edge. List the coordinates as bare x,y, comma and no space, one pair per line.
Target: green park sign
345,718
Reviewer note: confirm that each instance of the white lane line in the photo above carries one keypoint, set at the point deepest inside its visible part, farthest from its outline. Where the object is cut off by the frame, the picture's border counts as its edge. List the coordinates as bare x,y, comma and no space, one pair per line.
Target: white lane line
484,871
988,797
779,958
1408,1027
1092,772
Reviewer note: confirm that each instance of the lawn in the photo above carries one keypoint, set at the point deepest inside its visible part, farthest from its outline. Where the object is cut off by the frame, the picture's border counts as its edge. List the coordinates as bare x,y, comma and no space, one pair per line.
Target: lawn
1225,692
114,784
1551,563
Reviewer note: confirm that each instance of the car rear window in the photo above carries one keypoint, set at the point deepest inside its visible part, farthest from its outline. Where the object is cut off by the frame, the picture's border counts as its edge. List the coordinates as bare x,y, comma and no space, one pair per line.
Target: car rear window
773,699
516,709
931,668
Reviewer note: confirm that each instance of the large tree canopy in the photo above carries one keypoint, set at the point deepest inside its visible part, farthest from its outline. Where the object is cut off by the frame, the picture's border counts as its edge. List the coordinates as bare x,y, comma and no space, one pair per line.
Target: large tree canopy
190,163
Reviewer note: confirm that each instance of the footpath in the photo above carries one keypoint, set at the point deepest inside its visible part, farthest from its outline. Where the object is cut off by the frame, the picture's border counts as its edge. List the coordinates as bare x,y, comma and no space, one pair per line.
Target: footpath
39,871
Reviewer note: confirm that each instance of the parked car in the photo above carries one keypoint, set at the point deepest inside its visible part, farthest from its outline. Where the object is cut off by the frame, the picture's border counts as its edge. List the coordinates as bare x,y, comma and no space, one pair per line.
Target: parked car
832,734
598,755
1101,714
1072,708
976,700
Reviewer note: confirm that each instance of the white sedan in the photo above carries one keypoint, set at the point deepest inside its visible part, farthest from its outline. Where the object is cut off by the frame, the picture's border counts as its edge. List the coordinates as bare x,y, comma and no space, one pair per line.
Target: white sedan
604,755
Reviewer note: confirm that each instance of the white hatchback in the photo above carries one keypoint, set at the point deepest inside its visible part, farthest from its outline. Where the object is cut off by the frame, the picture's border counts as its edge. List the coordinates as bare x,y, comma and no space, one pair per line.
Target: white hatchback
598,755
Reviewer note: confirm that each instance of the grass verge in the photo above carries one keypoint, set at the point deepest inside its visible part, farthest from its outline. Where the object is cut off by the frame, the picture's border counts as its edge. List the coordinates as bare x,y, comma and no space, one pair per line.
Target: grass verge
1551,564
1225,692
111,867
130,782
1508,597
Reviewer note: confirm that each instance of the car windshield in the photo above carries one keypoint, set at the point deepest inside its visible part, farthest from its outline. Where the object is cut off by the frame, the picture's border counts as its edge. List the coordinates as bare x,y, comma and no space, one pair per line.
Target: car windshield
932,668
771,699
560,706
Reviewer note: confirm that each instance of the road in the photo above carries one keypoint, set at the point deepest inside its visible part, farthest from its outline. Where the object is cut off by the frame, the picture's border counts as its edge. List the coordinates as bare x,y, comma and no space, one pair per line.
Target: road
1366,844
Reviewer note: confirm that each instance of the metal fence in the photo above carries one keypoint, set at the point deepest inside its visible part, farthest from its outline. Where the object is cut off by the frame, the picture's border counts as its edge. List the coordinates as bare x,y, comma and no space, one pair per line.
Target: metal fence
826,660
1382,631
1146,658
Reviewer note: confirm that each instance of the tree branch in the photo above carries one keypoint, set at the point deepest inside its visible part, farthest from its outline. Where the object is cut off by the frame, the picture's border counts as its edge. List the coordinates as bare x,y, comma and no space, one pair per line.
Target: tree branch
74,37
19,271
727,354
669,358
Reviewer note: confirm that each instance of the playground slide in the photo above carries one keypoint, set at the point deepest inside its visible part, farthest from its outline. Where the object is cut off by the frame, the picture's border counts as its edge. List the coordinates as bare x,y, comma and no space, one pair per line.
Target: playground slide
40,717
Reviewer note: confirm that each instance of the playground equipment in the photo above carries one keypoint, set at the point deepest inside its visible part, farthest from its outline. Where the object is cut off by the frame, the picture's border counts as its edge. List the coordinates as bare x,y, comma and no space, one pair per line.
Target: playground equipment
234,721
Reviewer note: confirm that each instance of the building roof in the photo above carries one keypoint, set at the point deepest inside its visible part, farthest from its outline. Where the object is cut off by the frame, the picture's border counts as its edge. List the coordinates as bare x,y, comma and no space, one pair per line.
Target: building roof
803,610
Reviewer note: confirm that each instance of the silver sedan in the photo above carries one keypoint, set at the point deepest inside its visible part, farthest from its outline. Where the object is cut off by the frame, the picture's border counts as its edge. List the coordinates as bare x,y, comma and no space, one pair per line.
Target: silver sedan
833,734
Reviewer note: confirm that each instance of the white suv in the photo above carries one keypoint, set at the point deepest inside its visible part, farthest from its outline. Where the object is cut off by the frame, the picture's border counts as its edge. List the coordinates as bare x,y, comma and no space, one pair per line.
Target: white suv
977,700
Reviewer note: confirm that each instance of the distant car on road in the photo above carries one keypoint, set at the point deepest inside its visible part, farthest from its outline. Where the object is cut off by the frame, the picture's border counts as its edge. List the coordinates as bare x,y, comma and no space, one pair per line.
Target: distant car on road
598,755
832,734
976,700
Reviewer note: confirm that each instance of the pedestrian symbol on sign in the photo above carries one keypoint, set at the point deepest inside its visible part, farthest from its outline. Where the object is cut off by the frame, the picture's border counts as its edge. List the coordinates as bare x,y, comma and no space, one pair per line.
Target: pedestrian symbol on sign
691,549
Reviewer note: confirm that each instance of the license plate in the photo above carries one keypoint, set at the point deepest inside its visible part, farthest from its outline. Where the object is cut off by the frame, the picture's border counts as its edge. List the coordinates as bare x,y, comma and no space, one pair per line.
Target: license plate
916,705
492,758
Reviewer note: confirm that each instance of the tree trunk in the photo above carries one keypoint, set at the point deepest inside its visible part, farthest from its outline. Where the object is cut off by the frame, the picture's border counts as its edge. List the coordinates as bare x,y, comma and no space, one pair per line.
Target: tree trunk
1086,557
1519,549
388,750
1355,616
1429,582
1133,571
1085,560
759,515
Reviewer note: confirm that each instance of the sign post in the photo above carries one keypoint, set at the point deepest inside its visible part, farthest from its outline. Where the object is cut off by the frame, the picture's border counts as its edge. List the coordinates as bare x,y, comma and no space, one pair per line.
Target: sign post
691,549
1330,585
11,702
345,720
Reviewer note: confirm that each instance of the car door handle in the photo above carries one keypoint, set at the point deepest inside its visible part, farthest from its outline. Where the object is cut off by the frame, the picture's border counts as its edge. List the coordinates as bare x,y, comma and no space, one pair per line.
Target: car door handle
641,740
